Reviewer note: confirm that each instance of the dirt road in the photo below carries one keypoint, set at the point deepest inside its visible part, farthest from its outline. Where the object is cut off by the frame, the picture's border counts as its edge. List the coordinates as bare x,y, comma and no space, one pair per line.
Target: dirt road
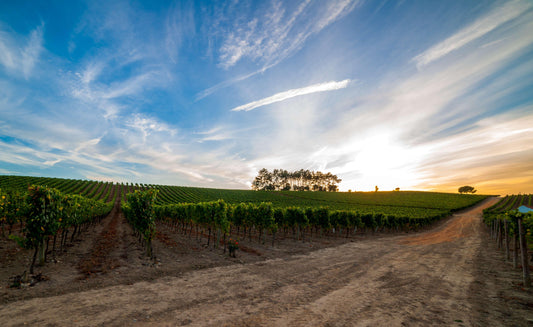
445,276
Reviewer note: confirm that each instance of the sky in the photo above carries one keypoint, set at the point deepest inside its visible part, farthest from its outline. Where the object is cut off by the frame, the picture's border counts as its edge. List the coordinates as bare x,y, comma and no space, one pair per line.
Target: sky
420,95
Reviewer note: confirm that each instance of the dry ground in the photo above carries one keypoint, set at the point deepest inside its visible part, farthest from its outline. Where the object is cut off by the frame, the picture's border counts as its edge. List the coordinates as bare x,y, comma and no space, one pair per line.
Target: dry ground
448,275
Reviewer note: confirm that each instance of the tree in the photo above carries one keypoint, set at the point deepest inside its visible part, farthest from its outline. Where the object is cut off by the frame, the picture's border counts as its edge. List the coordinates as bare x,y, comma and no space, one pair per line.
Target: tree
467,189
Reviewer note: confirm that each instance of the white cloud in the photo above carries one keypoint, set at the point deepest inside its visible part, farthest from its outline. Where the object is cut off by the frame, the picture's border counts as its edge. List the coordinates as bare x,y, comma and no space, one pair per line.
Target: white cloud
498,149
272,35
18,56
282,96
278,33
91,72
428,99
227,83
89,84
474,31
179,26
148,126
51,162
30,54
89,143
399,133
131,86
6,52
421,128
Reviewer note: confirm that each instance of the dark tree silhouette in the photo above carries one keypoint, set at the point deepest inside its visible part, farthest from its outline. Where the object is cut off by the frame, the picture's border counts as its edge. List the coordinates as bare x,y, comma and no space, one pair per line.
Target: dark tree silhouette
467,189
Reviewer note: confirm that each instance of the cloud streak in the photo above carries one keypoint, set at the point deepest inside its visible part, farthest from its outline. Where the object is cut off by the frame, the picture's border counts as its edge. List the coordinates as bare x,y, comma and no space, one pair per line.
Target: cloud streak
282,96
472,32
273,35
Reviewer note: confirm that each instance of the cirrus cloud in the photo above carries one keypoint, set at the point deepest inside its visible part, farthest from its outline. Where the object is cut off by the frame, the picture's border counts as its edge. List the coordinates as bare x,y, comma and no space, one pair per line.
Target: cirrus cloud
282,96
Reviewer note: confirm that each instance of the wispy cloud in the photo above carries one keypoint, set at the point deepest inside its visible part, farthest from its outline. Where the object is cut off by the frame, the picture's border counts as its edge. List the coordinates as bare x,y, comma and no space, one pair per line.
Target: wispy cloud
19,56
498,149
120,104
91,85
435,118
282,96
270,36
262,36
448,95
229,82
474,31
179,26
148,125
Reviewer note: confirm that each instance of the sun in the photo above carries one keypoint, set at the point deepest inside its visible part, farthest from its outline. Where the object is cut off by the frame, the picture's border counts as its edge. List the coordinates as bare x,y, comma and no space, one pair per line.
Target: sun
380,160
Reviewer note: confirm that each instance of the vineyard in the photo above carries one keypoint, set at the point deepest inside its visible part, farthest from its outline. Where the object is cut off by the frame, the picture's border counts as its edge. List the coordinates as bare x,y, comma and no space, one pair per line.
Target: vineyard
414,204
506,223
253,212
48,209
52,212
94,236
510,202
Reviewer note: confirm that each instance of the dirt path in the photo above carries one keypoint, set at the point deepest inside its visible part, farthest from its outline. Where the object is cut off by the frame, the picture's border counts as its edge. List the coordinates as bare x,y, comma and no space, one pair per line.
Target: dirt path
438,277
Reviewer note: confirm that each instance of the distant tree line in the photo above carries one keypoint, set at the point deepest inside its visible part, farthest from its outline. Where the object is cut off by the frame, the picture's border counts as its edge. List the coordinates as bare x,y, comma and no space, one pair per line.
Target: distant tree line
300,180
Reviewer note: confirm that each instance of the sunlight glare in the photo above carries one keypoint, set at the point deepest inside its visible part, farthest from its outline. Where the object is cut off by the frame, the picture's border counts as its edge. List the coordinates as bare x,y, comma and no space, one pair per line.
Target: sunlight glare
381,161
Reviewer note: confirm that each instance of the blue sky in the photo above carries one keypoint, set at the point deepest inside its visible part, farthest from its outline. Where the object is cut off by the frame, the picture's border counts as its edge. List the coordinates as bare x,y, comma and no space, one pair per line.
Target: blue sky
426,95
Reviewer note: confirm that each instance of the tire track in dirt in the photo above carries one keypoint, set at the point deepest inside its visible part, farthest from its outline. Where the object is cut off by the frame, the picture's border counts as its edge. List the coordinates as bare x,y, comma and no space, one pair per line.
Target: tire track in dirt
421,279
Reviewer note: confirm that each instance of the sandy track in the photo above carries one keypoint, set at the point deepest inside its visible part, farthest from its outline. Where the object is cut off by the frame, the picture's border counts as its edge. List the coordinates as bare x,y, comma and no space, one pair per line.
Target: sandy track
415,279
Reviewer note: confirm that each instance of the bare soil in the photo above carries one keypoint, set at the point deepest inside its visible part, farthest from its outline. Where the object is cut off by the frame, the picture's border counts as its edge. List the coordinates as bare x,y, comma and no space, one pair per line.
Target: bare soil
451,275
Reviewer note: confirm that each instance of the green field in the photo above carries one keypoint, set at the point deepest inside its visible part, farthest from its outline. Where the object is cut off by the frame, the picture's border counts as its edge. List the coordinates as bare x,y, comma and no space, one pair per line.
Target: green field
405,203
48,208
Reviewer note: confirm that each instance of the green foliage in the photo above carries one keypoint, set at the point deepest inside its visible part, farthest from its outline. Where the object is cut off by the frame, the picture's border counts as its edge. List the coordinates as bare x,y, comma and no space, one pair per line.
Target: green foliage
12,207
505,210
48,210
44,212
254,210
296,217
219,211
88,189
322,217
278,216
139,211
405,203
265,216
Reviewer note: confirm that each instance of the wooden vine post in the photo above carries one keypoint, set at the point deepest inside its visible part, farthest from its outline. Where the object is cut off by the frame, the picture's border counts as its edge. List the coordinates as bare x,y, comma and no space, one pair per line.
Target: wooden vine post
523,249
506,229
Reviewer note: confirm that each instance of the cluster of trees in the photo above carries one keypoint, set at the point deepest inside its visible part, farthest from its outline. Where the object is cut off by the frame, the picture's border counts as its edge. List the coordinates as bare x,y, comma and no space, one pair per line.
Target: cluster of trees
300,180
